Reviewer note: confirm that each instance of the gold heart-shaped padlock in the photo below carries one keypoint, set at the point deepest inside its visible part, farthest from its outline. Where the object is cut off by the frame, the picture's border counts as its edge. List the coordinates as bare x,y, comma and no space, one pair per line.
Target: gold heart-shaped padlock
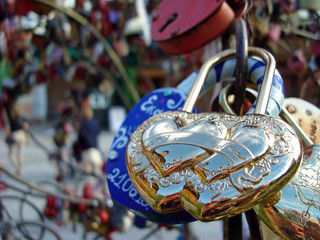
213,165
296,214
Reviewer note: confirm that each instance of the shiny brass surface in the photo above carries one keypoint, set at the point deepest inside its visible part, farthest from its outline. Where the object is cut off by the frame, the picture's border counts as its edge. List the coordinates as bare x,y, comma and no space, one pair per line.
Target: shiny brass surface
297,214
294,212
212,165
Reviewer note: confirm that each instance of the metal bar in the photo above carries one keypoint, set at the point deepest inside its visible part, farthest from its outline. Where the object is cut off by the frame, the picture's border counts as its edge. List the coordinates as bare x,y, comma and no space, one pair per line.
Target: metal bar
75,200
234,229
254,226
265,89
202,75
241,72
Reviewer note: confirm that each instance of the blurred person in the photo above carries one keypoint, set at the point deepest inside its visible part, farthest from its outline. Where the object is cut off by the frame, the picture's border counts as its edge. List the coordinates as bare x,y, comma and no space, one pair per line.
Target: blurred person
61,138
16,128
88,133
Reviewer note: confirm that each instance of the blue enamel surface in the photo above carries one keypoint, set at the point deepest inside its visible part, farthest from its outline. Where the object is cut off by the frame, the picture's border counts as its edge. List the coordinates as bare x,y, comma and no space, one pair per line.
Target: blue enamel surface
119,183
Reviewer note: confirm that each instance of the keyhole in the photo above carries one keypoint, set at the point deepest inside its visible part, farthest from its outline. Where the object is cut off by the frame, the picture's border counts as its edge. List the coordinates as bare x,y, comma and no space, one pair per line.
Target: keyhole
172,17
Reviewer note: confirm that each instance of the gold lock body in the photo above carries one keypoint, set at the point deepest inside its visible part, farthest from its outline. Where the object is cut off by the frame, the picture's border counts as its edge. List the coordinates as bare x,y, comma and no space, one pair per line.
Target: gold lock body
213,165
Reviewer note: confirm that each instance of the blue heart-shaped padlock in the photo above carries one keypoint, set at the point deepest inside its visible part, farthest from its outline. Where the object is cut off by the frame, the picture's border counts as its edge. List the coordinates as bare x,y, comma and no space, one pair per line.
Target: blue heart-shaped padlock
120,186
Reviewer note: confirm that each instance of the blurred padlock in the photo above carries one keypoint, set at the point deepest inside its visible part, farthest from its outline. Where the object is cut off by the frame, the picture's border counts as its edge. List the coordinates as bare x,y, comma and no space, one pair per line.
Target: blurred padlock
50,210
23,7
182,26
95,222
104,216
213,165
88,191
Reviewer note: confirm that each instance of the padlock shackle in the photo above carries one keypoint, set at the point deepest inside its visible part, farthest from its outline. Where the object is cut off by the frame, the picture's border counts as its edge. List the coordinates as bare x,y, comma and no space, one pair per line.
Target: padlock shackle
203,73
265,89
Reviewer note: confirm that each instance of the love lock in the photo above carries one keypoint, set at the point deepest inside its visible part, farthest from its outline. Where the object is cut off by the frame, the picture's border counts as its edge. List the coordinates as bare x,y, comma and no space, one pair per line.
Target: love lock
50,210
213,165
296,214
182,26
161,100
96,221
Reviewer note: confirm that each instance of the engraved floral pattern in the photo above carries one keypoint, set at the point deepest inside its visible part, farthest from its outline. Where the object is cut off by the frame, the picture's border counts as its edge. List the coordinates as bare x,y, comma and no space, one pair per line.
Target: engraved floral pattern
230,155
307,182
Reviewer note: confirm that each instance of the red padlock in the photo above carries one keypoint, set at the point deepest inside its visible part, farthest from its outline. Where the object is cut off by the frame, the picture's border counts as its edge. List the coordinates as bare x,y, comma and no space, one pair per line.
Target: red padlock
104,216
81,72
182,26
100,19
104,61
50,209
88,191
81,208
23,7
